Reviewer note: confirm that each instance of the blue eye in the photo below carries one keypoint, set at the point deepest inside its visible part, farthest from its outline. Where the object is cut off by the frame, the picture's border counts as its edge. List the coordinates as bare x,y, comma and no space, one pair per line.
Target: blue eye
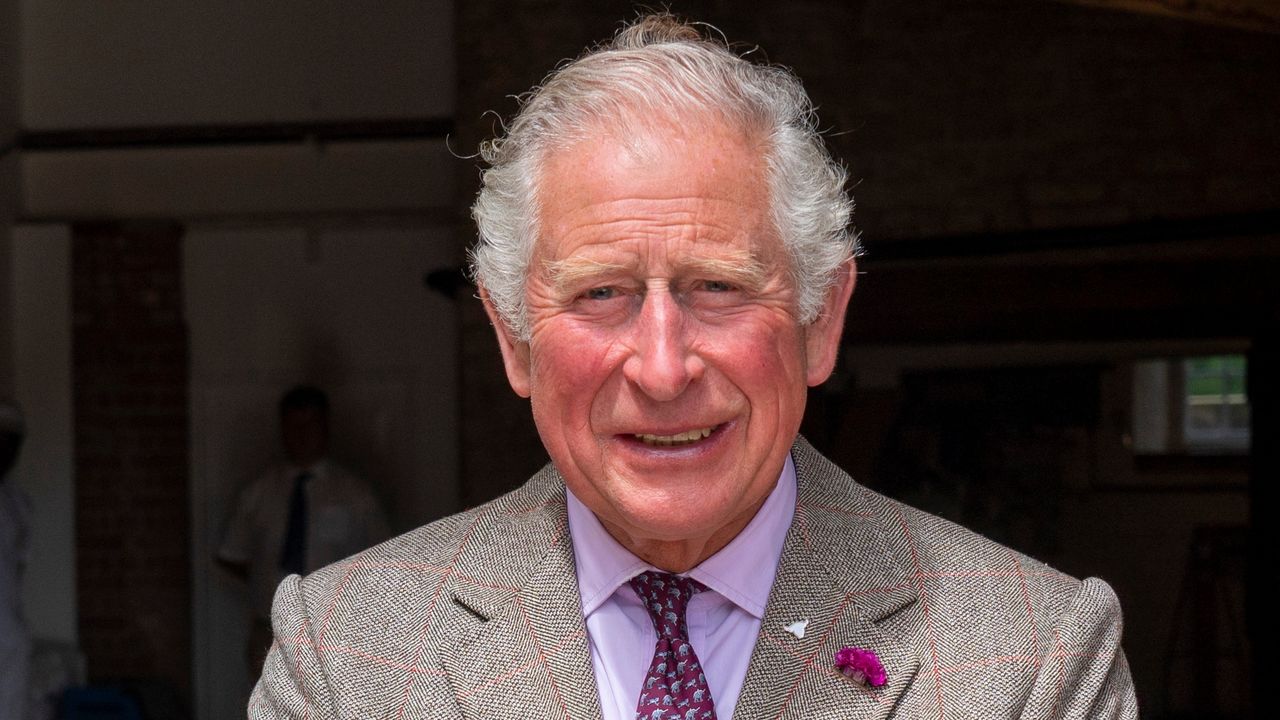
600,293
716,286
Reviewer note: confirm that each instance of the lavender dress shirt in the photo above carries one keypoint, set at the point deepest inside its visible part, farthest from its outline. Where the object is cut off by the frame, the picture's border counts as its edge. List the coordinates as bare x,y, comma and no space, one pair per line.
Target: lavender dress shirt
723,623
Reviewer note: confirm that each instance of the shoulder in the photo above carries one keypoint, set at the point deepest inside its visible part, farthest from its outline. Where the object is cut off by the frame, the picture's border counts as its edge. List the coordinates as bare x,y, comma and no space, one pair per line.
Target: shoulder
364,629
990,616
979,614
949,564
992,594
413,575
463,539
981,591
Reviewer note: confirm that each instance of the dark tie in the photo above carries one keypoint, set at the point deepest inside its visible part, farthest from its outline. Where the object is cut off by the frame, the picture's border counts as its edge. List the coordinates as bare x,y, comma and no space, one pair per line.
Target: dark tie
293,554
675,687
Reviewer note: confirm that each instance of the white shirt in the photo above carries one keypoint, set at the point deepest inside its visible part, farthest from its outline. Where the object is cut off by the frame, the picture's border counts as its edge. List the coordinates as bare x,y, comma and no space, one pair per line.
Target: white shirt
343,518
723,622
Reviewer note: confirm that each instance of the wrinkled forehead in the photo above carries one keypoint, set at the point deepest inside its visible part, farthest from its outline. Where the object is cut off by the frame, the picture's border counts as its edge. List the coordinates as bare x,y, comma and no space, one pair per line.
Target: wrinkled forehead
682,170
644,133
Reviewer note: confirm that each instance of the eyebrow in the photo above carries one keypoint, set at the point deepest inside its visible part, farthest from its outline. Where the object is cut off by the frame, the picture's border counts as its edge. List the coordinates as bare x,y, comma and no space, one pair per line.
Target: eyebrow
739,267
571,271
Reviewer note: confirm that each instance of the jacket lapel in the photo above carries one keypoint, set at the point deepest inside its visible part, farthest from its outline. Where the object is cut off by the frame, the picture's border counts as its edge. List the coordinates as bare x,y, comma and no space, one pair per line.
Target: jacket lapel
528,657
842,569
843,572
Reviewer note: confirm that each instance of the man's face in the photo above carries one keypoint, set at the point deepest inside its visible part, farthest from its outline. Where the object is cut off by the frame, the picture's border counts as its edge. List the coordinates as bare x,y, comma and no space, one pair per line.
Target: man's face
666,367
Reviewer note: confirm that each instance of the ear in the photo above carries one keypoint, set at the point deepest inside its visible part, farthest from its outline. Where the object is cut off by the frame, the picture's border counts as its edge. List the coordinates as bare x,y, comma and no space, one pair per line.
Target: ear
515,353
822,336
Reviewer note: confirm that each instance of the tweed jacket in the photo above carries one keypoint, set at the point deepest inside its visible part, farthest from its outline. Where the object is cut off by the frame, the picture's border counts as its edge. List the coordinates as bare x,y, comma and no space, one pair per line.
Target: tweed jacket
478,616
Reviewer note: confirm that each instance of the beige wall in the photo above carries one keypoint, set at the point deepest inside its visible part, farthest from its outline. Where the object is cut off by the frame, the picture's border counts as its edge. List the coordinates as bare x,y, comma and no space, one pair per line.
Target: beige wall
199,183
41,297
150,62
142,64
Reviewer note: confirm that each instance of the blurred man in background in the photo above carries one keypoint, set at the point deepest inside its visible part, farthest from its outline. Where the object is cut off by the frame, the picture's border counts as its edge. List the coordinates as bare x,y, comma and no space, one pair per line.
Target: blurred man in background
297,516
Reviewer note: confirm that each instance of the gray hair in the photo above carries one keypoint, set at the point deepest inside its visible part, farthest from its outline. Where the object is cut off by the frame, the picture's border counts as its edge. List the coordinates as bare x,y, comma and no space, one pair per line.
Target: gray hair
656,67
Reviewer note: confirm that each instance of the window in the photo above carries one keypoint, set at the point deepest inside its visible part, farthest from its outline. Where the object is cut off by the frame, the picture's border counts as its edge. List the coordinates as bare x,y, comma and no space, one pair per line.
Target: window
1215,413
1193,405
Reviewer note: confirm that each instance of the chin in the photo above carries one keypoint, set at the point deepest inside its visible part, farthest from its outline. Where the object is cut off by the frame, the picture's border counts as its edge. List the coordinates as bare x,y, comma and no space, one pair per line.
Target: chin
672,521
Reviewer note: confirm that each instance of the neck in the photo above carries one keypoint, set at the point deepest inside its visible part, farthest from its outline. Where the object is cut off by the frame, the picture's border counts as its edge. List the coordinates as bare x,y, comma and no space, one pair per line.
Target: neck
679,556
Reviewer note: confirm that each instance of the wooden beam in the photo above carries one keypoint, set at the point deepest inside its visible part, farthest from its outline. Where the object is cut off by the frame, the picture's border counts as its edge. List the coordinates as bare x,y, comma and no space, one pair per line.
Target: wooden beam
1258,15
428,128
1129,297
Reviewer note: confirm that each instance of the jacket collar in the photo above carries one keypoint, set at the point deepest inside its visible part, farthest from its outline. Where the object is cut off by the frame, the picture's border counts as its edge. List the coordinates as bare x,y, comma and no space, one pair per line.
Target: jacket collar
843,568
527,655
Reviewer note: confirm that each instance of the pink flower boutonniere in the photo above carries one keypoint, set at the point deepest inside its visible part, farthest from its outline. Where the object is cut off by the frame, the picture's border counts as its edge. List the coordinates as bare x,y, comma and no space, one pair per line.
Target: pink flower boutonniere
861,665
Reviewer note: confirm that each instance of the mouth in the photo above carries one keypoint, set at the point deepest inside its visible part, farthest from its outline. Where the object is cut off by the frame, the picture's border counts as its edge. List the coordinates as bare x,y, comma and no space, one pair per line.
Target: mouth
688,437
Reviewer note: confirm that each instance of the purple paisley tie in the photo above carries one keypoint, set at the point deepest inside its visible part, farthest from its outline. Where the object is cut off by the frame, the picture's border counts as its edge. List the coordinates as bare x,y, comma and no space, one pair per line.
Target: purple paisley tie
674,688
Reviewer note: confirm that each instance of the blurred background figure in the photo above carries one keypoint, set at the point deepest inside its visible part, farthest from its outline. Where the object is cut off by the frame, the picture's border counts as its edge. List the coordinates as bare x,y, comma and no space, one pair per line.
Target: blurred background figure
297,516
15,645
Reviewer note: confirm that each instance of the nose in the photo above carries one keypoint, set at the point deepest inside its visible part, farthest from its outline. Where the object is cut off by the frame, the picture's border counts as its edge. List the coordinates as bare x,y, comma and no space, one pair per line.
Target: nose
662,362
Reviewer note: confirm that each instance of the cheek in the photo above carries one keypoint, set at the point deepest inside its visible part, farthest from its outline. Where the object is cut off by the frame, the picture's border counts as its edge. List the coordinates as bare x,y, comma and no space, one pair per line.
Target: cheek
570,365
759,358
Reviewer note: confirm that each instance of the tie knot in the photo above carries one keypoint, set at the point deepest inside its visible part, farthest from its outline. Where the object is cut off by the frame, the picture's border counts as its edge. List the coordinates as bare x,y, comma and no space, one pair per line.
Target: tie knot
666,596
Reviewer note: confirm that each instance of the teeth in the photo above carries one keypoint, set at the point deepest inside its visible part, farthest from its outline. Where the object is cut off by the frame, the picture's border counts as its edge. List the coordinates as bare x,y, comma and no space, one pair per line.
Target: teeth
683,438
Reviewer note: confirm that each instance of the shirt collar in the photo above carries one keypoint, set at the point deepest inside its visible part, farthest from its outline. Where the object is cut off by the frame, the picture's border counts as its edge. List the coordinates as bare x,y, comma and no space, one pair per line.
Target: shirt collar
603,564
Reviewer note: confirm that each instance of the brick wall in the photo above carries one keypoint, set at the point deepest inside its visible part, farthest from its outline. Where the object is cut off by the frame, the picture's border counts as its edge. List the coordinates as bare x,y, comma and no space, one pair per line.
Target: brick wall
976,116
130,377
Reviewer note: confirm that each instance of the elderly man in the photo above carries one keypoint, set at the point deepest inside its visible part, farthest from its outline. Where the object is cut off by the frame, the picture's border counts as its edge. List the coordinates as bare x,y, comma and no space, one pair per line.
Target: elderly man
666,259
